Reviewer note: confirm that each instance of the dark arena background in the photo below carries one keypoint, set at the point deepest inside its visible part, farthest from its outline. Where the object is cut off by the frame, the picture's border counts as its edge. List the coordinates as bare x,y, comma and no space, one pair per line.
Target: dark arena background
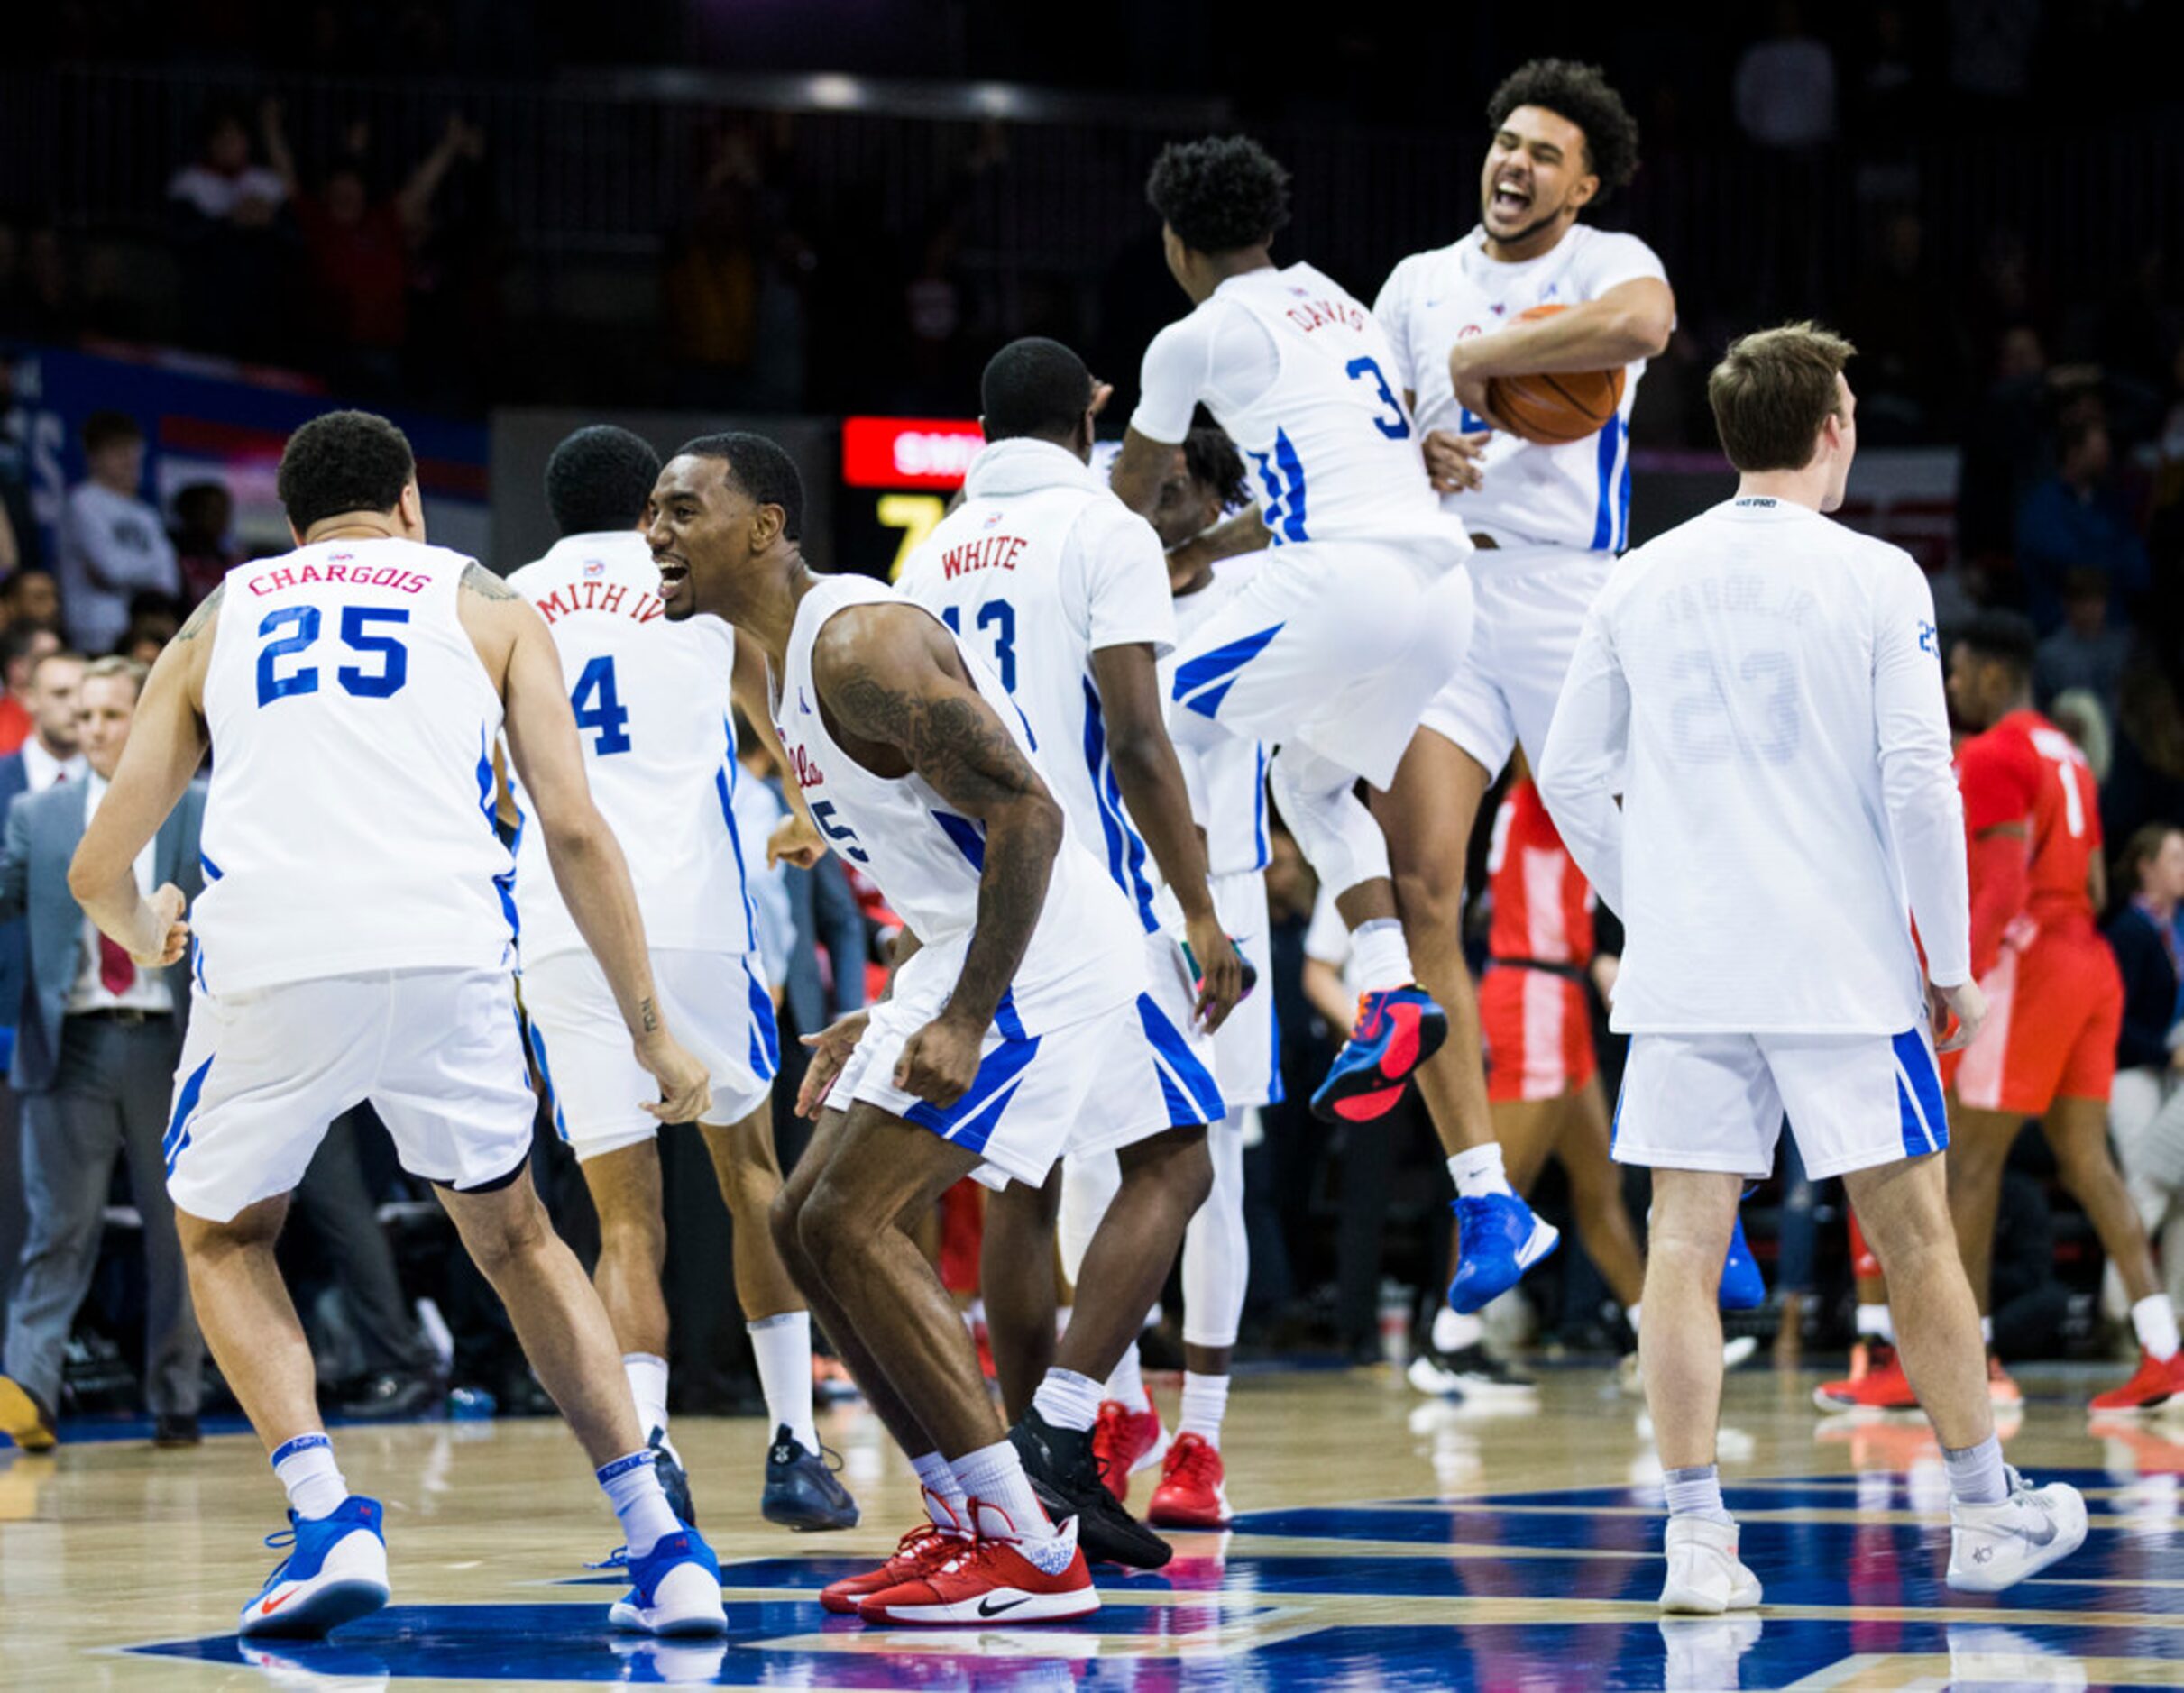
496,223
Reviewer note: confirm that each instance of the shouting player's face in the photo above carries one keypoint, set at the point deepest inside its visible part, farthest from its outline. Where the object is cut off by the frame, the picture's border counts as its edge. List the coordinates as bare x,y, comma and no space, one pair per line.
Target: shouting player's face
703,528
1535,178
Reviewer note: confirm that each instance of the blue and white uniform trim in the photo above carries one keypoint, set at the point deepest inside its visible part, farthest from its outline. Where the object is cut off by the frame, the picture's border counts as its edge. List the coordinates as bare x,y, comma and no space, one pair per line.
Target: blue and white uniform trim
1918,1095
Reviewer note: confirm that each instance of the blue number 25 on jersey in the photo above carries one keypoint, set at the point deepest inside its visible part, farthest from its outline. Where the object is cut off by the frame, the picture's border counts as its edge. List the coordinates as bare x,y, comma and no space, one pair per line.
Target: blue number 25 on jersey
385,673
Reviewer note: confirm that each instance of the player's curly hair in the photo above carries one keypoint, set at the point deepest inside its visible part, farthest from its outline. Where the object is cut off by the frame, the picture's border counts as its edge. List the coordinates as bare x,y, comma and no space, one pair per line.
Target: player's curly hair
346,460
1220,194
2006,637
762,468
599,479
1580,95
1211,457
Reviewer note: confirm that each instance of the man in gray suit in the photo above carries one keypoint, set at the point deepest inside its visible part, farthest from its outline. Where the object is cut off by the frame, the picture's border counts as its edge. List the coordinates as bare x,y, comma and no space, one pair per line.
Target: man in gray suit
96,1045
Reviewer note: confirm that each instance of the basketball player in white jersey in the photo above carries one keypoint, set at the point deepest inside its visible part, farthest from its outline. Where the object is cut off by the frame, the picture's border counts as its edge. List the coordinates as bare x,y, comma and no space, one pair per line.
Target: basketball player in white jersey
354,941
1228,776
1546,522
656,718
1758,691
1043,567
1015,998
1356,618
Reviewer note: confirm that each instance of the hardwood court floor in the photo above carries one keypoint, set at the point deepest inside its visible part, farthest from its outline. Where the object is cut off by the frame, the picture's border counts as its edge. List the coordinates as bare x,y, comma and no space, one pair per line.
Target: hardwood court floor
1384,1540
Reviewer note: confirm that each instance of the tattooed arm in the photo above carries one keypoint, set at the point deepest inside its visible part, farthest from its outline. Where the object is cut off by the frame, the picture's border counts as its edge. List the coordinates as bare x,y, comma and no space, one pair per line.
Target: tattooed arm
890,678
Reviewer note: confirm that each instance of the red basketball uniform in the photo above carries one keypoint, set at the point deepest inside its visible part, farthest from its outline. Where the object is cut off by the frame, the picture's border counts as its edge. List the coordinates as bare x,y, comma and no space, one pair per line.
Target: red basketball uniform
1532,1008
2055,1000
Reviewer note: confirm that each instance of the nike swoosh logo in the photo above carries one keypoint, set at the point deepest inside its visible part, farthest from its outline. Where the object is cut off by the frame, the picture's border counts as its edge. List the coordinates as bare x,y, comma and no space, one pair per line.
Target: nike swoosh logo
986,1608
2045,1536
271,1605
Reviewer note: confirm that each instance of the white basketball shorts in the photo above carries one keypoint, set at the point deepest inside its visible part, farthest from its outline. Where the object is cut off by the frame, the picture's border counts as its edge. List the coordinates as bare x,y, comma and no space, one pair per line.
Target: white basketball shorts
1169,1081
436,1052
1715,1101
714,1004
1335,645
1528,605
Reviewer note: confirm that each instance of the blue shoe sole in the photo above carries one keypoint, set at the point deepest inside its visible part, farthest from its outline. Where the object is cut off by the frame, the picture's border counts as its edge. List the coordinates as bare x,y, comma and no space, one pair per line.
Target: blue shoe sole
313,1619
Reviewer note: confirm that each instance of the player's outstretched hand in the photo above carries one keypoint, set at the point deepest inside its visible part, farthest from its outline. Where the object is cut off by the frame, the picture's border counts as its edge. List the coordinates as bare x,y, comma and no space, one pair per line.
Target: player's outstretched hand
168,904
795,840
1220,971
1452,460
1966,1005
940,1061
831,1050
686,1089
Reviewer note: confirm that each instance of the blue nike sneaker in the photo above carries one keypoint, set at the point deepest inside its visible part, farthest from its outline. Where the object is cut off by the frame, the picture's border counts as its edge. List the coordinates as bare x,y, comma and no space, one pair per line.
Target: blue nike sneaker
1498,1238
675,1589
802,1490
1743,1288
335,1572
1397,1030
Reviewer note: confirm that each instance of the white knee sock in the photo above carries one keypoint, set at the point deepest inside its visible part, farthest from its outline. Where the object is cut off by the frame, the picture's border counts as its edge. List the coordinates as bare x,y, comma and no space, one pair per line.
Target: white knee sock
633,1489
1205,1404
1068,1400
1976,1474
993,1474
1379,959
944,1500
1127,1383
2154,1320
307,1470
782,1346
1477,1171
1874,1323
647,1374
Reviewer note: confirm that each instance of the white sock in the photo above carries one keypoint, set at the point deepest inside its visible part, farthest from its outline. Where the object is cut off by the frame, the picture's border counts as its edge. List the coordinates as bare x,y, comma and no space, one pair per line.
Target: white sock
944,1502
993,1476
1631,1312
2155,1320
783,1347
1974,1473
1453,1330
1696,1492
634,1491
1876,1323
648,1375
1067,1401
1127,1383
1378,960
1205,1404
307,1470
1986,1331
1477,1172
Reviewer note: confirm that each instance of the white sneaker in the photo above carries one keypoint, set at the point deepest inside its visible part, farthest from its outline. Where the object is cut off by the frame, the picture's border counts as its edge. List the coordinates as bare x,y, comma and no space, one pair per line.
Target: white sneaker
1704,1576
1995,1546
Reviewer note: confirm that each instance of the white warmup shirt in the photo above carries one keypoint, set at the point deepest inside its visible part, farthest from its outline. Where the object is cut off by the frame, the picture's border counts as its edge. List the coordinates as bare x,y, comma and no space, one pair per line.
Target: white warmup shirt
1085,955
1575,495
112,548
1304,380
1038,569
1763,688
349,826
656,720
1227,773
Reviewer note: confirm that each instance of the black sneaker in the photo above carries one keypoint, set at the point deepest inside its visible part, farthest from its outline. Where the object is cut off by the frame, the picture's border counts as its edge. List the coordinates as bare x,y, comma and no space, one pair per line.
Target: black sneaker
801,1490
1470,1372
1066,1476
395,1396
173,1431
674,1483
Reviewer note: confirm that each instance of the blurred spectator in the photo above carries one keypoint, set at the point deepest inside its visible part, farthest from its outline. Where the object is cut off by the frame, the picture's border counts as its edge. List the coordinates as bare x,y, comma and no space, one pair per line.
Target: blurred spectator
228,242
205,548
2090,724
2149,1052
153,620
20,527
112,543
48,756
1905,325
30,597
2005,451
1889,107
2077,519
95,1052
221,185
1990,48
1785,86
43,305
23,645
711,284
2147,783
758,810
2087,651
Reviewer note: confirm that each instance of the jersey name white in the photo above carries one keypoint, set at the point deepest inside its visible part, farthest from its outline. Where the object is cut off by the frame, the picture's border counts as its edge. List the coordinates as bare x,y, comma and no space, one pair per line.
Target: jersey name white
1085,955
1574,495
1230,787
350,822
1038,569
656,723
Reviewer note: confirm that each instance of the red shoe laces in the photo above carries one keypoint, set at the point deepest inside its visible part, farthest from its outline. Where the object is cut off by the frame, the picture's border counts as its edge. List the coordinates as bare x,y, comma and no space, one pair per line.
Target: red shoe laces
1196,1463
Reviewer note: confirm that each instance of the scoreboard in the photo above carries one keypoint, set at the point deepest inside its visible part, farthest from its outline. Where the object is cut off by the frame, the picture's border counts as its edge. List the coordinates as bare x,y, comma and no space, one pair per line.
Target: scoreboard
897,476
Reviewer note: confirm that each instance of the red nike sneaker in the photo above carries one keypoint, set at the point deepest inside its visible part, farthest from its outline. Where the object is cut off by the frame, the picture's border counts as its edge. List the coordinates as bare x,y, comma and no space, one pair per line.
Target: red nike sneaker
1124,1441
920,1551
2001,1388
2157,1382
991,1577
1883,1386
1193,1491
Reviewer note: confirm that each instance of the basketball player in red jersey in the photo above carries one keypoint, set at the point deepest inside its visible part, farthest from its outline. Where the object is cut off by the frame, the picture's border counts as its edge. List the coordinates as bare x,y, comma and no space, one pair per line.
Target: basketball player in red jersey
2048,1050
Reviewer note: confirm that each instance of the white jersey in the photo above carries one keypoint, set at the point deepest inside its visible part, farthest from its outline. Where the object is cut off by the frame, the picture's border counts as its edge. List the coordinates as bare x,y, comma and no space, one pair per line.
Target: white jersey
1038,569
1304,380
1088,953
350,823
1763,688
657,728
1574,495
1228,790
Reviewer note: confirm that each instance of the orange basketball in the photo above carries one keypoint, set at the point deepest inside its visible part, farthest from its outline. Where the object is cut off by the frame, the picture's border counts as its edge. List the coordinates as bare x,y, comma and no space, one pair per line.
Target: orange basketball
1555,407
